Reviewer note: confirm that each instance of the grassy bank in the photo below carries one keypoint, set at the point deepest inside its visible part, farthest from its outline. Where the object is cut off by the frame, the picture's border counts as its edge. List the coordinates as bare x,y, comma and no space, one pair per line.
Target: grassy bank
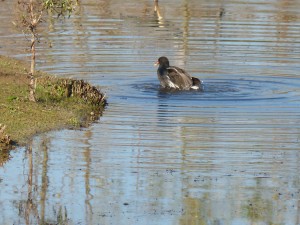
62,103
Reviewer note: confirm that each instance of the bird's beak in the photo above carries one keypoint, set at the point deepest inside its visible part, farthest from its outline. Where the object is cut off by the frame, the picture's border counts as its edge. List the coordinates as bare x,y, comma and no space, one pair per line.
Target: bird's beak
156,64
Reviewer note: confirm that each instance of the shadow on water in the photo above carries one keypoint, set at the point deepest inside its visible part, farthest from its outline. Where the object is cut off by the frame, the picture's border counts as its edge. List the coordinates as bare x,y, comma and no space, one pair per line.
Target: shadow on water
228,154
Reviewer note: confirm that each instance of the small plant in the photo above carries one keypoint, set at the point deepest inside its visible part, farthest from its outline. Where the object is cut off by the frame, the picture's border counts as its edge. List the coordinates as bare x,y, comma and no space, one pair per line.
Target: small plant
30,15
12,98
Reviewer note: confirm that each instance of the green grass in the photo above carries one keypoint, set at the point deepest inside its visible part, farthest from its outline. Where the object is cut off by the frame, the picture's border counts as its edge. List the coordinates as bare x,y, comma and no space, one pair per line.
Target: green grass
53,110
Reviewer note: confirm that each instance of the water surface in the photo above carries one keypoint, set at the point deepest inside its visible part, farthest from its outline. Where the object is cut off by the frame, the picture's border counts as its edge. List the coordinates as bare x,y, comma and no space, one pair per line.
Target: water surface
225,155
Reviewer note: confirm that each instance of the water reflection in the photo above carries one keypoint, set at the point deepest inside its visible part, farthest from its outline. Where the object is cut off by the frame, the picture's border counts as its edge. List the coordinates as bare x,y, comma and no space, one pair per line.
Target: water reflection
32,208
158,13
227,155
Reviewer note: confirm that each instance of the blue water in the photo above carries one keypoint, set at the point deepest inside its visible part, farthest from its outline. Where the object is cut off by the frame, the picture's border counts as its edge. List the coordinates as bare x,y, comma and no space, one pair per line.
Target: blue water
226,155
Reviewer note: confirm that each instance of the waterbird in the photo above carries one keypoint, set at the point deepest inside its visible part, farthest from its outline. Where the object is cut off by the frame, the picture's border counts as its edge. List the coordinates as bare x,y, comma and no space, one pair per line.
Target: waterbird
174,77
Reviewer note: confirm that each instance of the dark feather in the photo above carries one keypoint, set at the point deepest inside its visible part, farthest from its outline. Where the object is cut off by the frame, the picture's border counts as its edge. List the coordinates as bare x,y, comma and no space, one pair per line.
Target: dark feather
180,77
175,77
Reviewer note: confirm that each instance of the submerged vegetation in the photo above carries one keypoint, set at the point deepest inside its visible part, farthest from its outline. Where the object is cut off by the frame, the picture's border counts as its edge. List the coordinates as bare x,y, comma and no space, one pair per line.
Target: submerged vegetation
61,103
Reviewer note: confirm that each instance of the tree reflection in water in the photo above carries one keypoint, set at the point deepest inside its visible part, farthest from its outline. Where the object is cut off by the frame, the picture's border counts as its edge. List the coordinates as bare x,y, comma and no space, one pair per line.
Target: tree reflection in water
33,208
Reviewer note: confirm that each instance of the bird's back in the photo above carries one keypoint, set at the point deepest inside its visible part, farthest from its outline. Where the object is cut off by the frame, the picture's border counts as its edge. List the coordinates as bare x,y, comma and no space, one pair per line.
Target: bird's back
180,77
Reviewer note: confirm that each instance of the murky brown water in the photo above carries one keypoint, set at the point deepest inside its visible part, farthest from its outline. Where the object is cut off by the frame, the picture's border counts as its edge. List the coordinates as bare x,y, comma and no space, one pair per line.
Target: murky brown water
228,155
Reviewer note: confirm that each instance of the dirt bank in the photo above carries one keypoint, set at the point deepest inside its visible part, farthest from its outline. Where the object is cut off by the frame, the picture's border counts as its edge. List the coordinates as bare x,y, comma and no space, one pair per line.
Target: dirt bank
62,103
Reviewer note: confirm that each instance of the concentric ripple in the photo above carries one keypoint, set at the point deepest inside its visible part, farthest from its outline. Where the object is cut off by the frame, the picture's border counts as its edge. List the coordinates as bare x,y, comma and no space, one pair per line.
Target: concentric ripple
261,89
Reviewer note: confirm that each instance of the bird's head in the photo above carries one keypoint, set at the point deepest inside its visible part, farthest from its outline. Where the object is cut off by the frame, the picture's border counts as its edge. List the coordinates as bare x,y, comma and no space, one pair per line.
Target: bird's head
162,62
